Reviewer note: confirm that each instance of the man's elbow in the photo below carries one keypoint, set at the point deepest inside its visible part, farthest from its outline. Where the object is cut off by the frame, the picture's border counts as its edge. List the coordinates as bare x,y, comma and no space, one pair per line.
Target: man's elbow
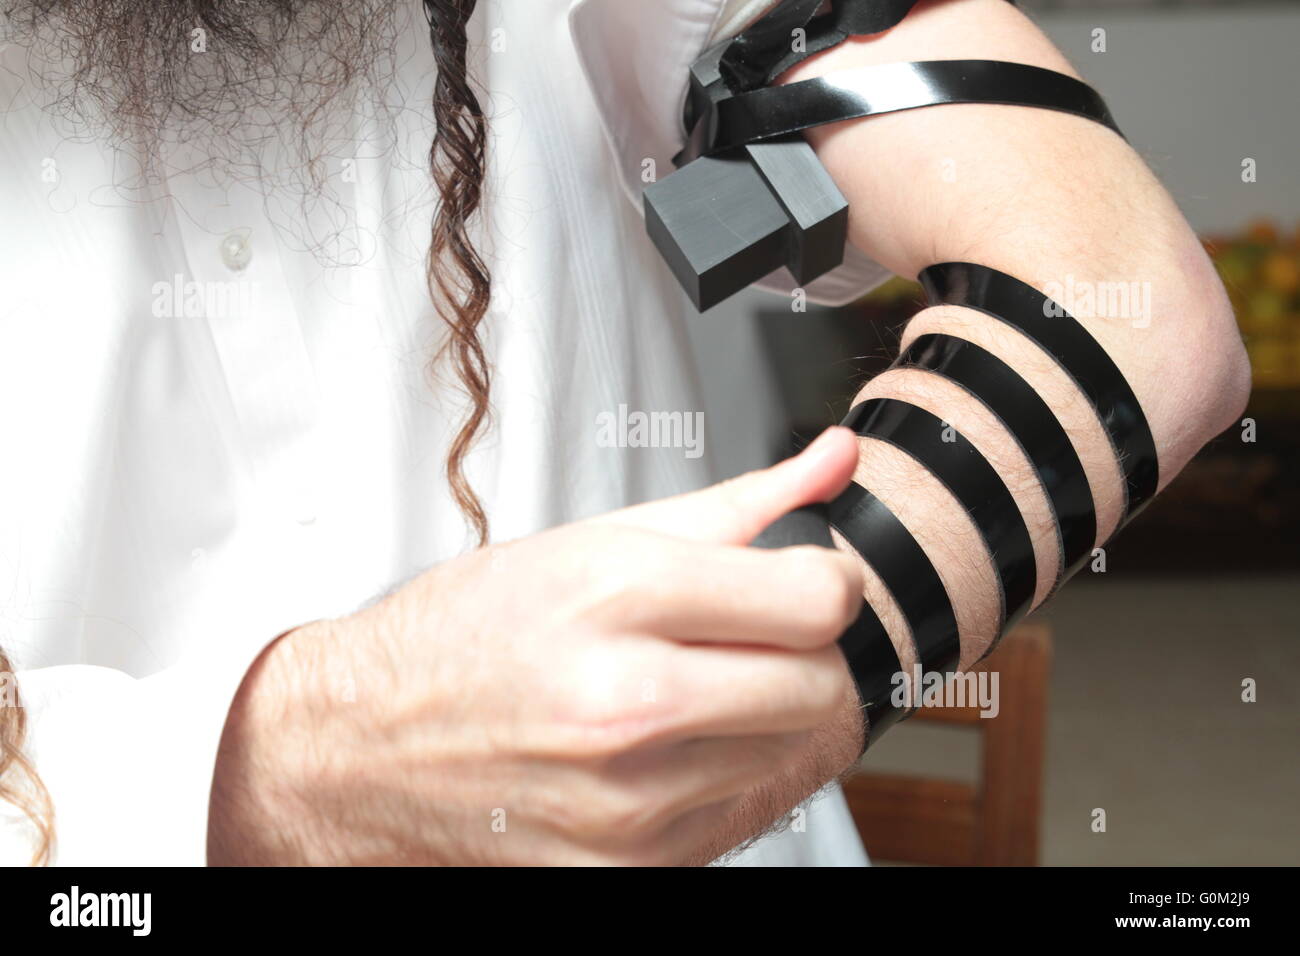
1214,361
1234,381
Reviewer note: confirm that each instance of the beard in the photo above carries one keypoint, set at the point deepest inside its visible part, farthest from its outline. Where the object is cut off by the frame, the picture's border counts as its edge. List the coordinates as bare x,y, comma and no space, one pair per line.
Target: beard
272,91
147,68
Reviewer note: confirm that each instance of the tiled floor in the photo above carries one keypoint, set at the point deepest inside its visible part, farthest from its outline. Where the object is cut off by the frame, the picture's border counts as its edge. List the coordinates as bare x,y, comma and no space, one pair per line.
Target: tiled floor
1146,721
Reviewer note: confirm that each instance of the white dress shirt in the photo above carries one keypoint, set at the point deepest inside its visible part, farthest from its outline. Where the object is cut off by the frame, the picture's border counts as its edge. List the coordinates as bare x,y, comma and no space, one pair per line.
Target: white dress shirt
216,420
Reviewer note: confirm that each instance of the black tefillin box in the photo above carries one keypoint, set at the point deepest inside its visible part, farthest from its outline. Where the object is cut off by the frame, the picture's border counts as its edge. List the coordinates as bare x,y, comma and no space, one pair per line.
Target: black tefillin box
724,221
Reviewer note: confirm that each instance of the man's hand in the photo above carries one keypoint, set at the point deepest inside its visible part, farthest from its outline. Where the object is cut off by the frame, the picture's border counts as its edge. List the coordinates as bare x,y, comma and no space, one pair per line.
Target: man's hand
636,688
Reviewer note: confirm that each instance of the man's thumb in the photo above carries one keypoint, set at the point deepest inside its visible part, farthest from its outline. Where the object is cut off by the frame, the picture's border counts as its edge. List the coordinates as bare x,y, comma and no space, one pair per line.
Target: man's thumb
735,511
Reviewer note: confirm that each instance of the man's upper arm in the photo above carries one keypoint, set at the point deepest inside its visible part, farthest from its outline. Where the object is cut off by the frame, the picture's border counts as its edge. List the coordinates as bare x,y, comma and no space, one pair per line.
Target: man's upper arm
1040,194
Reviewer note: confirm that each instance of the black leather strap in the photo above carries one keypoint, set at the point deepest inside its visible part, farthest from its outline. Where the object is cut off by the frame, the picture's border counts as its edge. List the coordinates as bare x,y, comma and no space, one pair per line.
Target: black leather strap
885,543
748,59
766,49
763,113
1031,423
874,664
1064,338
973,482
702,222
870,653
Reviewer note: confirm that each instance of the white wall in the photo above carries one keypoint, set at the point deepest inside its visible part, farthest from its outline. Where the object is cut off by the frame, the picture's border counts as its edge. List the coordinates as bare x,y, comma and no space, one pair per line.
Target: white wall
1195,91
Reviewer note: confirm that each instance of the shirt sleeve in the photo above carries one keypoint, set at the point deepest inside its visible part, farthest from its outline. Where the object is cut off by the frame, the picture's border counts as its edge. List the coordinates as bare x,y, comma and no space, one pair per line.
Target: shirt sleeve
128,762
636,58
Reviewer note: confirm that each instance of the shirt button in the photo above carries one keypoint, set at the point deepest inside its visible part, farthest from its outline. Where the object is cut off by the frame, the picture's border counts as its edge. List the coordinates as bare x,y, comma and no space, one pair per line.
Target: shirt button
236,250
304,507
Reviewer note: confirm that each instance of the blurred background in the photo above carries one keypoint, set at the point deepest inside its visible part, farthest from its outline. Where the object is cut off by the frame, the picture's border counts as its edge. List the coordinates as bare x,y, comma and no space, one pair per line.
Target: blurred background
1142,672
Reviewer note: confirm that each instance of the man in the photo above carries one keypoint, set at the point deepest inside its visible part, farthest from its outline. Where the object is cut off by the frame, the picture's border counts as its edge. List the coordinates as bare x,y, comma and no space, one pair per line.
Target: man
223,444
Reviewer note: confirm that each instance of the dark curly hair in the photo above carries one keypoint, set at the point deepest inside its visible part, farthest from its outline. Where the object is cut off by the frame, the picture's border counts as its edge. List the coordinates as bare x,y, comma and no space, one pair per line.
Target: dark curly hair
459,281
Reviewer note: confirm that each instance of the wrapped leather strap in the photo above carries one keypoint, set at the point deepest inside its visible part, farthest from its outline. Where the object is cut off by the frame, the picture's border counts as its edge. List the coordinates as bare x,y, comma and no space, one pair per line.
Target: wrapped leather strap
1031,423
1080,355
764,50
870,653
885,543
972,481
768,112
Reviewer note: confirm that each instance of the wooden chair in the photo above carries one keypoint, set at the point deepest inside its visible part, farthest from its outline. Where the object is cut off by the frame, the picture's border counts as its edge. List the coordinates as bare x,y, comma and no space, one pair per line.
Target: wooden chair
951,823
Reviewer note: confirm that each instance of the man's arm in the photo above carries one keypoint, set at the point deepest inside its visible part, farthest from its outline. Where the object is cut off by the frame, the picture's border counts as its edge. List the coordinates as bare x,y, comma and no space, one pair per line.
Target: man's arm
1048,198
